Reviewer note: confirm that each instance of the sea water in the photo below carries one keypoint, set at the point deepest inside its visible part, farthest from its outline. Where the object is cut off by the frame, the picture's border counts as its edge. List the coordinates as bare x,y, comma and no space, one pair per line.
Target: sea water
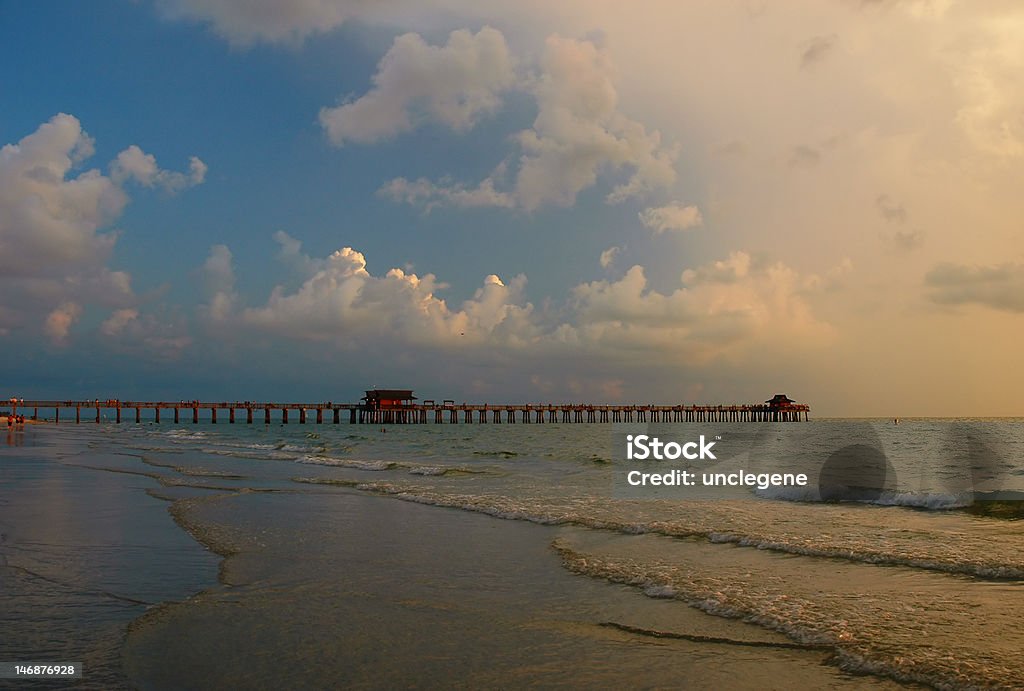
172,556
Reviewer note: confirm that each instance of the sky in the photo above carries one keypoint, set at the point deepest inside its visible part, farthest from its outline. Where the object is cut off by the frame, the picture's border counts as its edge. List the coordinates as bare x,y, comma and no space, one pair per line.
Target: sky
659,201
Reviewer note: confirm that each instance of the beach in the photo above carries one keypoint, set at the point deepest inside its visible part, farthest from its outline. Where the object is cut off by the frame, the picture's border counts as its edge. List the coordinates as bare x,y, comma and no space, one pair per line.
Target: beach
468,345
267,556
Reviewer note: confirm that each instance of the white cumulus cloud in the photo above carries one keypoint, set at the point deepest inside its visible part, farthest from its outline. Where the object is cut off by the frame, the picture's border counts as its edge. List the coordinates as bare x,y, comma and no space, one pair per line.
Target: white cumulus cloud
579,132
720,310
671,217
416,82
429,195
55,230
218,273
115,324
608,256
60,320
723,309
51,218
135,164
243,22
292,255
343,303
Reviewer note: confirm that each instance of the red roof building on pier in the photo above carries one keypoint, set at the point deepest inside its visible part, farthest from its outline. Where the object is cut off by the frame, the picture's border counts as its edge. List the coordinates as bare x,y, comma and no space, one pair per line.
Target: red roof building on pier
388,399
780,402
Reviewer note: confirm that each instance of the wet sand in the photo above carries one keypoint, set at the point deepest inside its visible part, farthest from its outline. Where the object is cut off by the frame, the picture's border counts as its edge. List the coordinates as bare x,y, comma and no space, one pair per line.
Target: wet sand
83,552
333,588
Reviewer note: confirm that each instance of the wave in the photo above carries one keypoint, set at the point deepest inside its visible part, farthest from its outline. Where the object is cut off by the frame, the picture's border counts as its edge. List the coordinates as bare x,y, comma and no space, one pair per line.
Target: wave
254,454
213,444
1001,505
212,440
349,462
295,448
985,570
381,465
879,548
863,636
430,470
496,454
156,449
927,500
931,501
180,433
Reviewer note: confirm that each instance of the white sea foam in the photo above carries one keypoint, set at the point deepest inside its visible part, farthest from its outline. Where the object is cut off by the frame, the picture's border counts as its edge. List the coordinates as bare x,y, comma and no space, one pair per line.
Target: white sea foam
348,462
919,500
381,464
924,500
296,448
870,548
179,433
660,591
255,454
864,634
429,470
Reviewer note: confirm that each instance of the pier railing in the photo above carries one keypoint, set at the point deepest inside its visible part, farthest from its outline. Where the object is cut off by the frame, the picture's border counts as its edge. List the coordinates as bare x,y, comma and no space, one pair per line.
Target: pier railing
449,413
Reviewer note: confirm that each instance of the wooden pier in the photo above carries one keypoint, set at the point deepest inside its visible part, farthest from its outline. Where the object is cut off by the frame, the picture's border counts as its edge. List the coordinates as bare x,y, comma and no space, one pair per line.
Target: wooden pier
410,413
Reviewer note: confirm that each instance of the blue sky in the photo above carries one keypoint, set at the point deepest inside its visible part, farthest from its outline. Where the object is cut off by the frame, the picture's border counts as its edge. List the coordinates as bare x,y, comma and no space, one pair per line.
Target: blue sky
695,201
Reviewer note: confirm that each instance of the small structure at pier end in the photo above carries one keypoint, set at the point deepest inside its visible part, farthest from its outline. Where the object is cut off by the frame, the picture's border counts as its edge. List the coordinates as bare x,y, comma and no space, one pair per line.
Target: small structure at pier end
782,408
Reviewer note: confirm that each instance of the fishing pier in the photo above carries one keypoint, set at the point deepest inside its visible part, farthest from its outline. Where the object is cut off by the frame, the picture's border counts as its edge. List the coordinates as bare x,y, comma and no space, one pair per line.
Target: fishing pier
398,407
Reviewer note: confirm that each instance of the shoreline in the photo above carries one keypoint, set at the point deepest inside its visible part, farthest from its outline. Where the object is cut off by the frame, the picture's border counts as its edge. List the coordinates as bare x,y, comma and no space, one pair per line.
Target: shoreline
76,577
355,564
284,597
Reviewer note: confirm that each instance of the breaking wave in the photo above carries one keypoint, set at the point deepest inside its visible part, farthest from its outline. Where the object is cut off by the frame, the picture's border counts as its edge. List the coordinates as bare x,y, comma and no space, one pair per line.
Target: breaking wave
876,544
863,636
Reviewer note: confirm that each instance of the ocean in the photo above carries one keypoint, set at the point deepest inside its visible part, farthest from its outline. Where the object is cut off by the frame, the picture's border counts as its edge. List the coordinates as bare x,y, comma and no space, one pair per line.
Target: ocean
482,555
